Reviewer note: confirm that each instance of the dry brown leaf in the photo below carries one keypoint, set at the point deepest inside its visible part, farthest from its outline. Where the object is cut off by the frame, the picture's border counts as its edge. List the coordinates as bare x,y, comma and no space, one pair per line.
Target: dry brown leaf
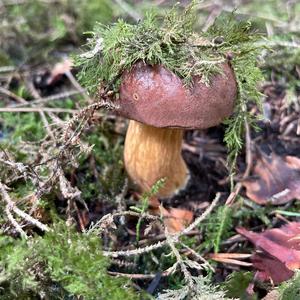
278,252
278,180
176,219
231,258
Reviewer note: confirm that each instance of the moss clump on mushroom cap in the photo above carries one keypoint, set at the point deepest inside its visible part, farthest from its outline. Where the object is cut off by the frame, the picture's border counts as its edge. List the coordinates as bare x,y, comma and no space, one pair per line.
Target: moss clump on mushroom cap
172,42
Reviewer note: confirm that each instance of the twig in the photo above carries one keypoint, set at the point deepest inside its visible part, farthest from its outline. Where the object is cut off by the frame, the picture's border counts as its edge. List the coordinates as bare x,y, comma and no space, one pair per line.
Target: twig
162,237
76,84
249,162
14,222
200,218
59,96
11,206
12,95
144,276
200,257
134,252
186,273
30,219
38,109
175,237
6,69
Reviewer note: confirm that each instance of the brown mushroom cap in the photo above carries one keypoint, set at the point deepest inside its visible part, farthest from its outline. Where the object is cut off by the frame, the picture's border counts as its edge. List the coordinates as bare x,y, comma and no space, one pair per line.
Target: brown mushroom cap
155,96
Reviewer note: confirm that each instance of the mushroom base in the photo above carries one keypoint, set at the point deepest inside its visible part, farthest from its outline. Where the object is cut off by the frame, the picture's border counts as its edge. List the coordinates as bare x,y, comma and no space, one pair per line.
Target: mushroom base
153,153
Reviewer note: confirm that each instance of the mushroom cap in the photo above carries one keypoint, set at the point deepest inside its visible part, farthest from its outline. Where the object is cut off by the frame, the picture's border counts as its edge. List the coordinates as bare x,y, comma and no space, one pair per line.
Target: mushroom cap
155,96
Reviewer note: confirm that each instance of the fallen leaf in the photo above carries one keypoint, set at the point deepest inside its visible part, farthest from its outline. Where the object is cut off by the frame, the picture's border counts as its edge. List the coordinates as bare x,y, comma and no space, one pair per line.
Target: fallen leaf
231,258
277,253
175,219
278,180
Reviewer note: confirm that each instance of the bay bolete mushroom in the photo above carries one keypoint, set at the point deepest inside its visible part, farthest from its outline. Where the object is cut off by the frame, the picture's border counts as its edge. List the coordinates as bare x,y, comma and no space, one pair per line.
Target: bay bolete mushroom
160,107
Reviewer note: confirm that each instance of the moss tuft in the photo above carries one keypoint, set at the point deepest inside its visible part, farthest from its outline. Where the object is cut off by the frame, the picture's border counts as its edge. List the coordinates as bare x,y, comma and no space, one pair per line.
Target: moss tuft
62,263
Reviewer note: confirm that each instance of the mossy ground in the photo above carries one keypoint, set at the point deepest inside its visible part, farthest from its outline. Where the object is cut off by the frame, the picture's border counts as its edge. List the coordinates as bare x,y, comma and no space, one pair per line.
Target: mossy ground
65,264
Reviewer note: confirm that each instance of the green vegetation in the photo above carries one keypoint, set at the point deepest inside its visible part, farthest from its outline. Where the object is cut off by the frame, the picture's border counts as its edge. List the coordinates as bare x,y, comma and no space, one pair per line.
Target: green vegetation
31,29
217,227
65,264
61,263
202,290
236,285
22,127
290,290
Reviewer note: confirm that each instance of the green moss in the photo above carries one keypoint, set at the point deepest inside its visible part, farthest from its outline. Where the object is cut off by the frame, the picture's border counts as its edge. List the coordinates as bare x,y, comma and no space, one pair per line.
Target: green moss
61,260
290,290
236,285
217,228
103,173
22,126
66,20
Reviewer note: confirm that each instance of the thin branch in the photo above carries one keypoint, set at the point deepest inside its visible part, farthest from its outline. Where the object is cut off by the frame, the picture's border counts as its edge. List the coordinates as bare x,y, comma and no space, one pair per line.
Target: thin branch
186,273
249,162
59,96
160,244
202,217
200,257
38,109
14,222
11,206
6,69
144,276
12,95
30,219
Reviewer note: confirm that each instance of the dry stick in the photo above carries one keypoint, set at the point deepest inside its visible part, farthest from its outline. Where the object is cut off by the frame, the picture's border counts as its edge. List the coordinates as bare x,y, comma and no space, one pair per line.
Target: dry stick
30,219
175,237
233,262
46,124
38,109
162,237
55,97
186,273
249,161
6,69
200,257
14,222
108,219
11,206
144,276
76,84
200,218
12,95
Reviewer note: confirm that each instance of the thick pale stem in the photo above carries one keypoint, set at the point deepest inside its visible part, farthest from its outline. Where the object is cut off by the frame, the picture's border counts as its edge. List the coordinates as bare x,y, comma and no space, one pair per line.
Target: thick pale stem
153,153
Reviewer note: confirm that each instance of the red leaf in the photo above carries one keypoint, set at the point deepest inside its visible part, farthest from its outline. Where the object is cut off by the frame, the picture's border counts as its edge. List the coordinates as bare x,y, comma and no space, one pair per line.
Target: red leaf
278,180
278,252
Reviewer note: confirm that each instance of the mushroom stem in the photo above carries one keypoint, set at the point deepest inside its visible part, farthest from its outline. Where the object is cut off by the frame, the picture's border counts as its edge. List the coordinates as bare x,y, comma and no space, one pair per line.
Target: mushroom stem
153,153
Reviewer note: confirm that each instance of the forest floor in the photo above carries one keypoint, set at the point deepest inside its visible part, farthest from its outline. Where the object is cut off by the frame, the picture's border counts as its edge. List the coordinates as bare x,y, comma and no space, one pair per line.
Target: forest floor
61,167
